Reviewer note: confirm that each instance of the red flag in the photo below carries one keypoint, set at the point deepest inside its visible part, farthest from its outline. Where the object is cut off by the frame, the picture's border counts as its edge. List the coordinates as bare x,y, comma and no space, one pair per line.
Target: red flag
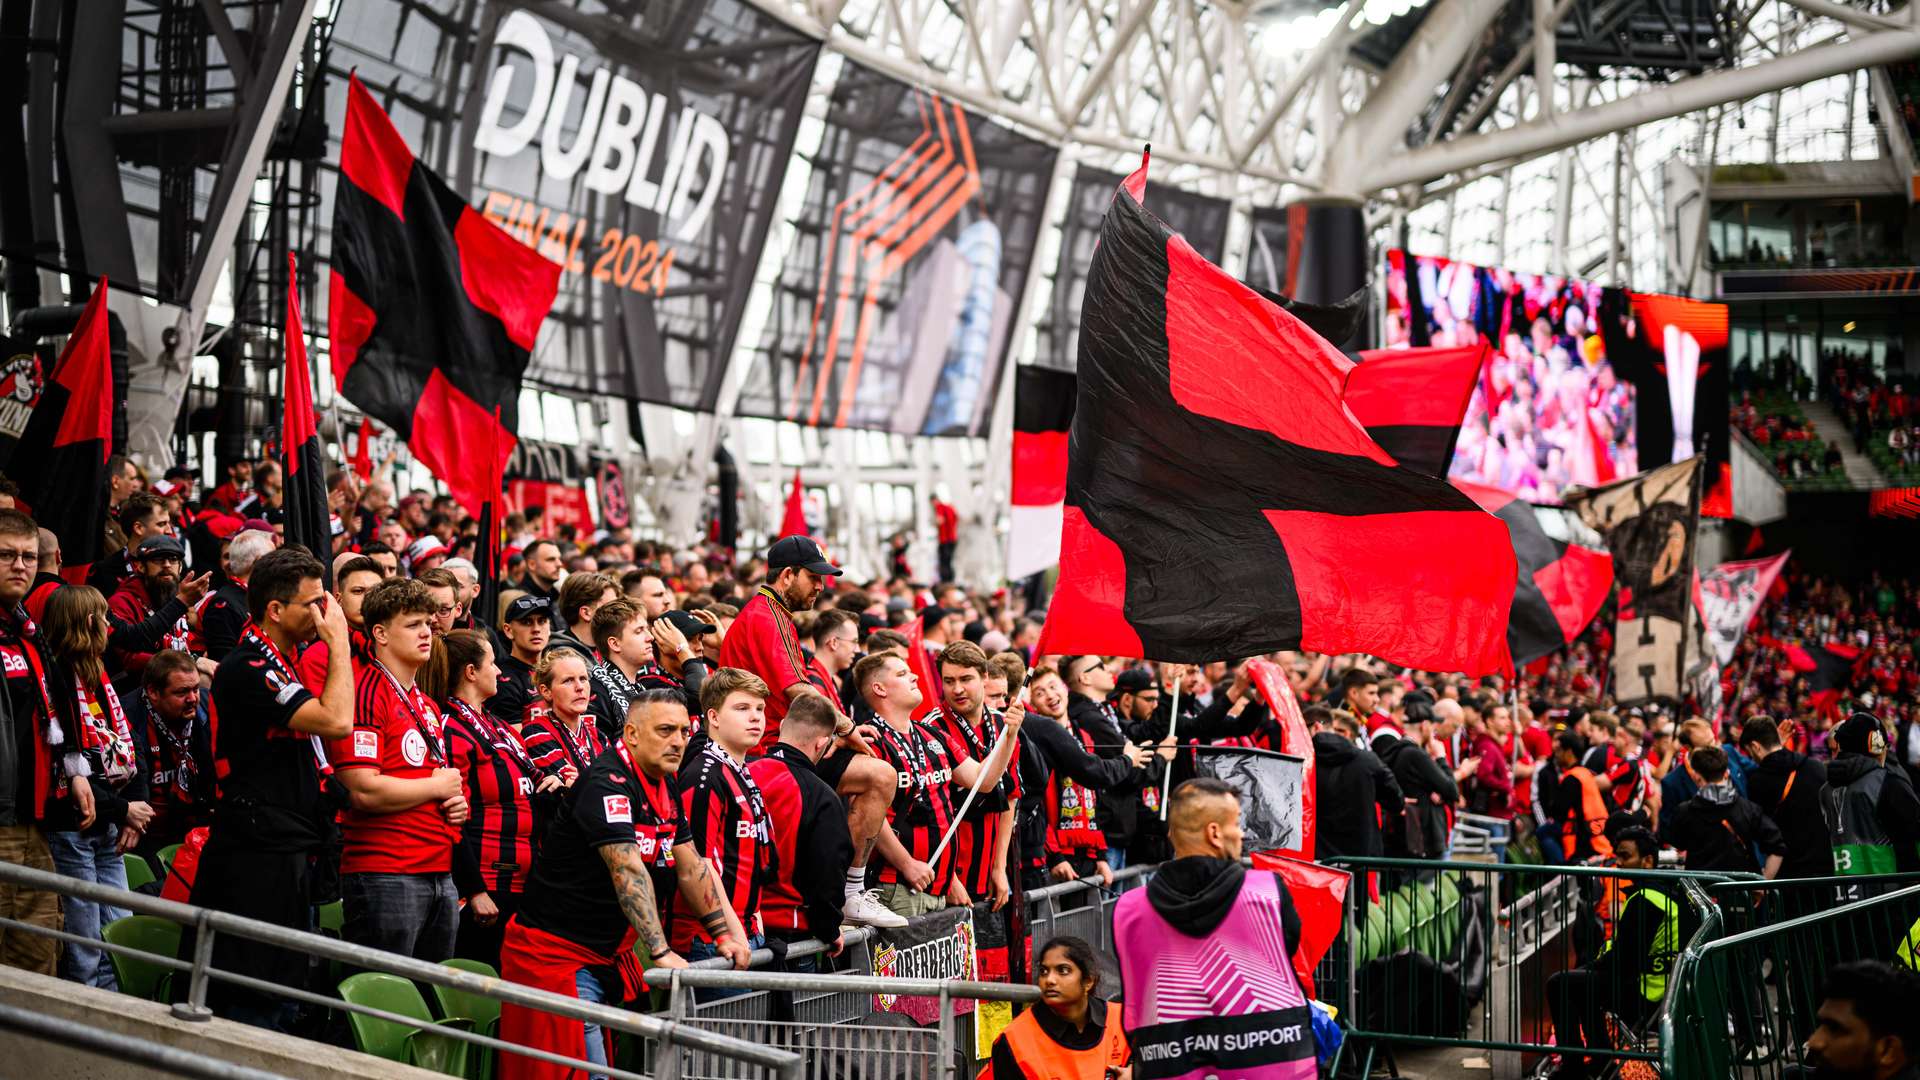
794,521
435,309
1411,401
1305,535
69,439
1295,739
363,452
1320,895
309,522
921,662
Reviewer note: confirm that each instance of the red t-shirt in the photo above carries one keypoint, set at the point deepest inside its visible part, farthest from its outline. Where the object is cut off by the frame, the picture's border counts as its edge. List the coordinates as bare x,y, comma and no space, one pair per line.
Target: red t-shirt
403,739
763,640
948,521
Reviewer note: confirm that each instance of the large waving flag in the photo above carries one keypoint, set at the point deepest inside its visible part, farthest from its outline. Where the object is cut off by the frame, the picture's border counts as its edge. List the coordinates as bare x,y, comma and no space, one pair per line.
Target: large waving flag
1561,585
308,519
1411,401
1042,415
434,309
69,439
1221,501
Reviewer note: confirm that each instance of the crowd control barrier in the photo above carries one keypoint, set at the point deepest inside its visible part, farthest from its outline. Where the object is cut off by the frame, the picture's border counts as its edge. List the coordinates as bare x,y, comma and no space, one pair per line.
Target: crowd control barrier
446,1044
1742,1006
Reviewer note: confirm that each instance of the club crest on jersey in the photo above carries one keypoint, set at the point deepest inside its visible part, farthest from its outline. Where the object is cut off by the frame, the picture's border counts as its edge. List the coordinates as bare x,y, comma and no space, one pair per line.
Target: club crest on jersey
413,747
619,808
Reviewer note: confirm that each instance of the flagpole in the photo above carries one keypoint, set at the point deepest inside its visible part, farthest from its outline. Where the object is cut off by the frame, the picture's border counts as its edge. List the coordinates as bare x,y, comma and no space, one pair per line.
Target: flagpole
1173,734
961,814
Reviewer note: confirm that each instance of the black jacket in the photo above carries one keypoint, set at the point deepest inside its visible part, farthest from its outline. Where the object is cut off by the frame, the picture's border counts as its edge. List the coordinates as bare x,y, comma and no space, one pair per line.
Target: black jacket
1721,836
822,847
1046,748
1195,893
1898,809
223,619
1635,935
1348,784
1420,777
1786,787
1116,812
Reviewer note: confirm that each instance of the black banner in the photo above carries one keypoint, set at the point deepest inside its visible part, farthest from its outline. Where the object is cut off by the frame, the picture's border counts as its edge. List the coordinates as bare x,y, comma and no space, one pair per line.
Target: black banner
1198,218
895,304
641,148
23,373
1229,1045
1267,256
1271,795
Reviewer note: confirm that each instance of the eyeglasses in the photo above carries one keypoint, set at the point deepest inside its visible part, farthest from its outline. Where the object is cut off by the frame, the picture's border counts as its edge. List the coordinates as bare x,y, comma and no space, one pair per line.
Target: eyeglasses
445,610
24,558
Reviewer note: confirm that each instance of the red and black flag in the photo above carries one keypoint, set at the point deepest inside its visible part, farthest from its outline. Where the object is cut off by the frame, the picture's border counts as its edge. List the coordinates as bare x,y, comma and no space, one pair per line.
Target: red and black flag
1222,502
69,438
1561,585
1042,415
308,519
1411,401
434,308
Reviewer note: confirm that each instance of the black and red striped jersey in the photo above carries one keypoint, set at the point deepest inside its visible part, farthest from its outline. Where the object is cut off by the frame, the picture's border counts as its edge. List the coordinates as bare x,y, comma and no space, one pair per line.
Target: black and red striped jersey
499,774
1073,813
974,841
804,894
923,802
553,746
728,816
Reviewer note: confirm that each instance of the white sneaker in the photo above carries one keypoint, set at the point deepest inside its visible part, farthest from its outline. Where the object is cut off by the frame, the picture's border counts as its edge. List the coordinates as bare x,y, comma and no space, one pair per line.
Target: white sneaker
864,908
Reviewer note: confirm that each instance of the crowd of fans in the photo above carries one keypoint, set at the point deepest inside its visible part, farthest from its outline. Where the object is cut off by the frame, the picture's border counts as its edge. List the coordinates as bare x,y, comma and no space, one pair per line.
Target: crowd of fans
1880,415
698,755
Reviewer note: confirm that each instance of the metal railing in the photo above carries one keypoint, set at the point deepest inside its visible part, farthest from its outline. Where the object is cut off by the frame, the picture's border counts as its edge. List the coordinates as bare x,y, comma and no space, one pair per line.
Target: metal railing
753,1059
1460,954
1742,1006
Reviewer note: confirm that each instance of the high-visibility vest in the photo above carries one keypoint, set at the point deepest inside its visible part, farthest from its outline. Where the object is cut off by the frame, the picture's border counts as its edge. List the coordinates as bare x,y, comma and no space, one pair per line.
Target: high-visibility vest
1593,809
1042,1058
1666,944
1909,946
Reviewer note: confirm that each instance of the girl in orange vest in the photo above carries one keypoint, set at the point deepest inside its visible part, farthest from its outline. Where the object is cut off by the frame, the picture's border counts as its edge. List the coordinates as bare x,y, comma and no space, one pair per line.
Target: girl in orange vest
1070,1035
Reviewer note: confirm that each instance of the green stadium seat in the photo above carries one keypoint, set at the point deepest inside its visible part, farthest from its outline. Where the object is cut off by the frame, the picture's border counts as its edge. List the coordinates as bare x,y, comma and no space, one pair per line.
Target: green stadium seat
483,1012
139,871
418,1045
139,977
166,854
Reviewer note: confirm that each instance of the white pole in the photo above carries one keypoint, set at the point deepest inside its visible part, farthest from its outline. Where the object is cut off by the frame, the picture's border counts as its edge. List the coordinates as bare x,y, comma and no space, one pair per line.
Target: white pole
1173,728
961,814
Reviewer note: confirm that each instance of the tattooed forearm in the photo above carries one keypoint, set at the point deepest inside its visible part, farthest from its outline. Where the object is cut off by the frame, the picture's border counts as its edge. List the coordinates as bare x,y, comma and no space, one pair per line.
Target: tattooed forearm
715,923
634,889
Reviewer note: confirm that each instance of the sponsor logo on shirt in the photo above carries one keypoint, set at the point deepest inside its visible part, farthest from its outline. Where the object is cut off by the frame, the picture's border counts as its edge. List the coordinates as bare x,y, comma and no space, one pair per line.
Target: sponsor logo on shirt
366,744
645,840
14,662
619,808
413,747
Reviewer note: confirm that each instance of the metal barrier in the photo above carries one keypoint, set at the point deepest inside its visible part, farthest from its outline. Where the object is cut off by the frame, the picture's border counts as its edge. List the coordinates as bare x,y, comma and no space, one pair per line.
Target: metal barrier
1742,1006
1460,954
831,1017
754,1059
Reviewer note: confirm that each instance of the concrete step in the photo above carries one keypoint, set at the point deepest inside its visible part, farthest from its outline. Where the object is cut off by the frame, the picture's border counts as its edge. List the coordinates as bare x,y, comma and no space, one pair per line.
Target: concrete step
1861,471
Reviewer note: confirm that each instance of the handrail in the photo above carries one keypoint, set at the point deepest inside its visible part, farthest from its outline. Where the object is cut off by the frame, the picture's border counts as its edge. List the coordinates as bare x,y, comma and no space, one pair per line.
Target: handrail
113,1044
705,978
1374,862
210,922
1834,881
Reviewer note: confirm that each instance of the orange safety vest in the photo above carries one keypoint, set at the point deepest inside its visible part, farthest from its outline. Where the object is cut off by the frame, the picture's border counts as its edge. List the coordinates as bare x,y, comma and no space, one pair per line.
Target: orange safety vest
1043,1059
1594,809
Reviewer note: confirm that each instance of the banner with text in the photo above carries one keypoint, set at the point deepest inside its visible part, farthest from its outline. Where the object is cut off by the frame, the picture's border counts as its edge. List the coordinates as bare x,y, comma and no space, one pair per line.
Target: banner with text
895,303
641,149
940,945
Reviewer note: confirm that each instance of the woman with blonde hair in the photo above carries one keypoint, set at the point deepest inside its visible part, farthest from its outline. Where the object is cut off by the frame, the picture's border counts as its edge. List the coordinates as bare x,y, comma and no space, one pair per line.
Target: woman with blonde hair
91,733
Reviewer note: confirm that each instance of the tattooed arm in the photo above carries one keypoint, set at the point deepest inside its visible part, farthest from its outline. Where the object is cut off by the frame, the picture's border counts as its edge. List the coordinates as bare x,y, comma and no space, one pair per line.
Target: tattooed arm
634,889
700,887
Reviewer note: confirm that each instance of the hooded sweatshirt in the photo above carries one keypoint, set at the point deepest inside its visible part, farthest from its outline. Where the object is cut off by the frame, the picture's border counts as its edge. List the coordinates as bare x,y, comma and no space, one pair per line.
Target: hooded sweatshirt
1895,806
1349,783
1195,893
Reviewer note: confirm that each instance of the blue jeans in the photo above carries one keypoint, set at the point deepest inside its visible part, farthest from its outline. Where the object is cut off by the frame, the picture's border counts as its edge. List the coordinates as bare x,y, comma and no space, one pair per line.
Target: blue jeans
588,987
1116,859
94,858
707,950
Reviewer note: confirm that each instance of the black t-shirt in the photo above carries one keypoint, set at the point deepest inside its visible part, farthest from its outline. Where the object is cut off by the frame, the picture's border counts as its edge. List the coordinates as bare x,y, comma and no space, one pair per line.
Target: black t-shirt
268,775
509,703
570,894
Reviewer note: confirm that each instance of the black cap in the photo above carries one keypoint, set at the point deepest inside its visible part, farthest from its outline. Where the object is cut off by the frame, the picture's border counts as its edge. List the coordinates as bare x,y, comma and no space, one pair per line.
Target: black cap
1133,680
799,552
932,614
869,623
689,626
526,607
1860,733
159,545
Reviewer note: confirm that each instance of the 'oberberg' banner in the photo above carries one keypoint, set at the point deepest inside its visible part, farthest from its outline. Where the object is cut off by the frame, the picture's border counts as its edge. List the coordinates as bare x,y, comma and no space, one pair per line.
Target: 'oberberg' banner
895,304
939,945
642,148
1649,524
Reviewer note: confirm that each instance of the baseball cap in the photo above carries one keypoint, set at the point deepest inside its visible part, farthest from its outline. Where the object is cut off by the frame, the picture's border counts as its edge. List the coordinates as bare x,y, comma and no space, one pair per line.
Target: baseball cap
425,548
166,489
159,545
799,552
1860,733
933,613
256,525
526,607
1132,681
222,526
684,622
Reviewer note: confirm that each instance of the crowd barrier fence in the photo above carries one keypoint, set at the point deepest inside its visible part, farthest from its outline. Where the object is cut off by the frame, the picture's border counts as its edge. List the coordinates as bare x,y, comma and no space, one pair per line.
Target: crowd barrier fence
1742,1006
750,1059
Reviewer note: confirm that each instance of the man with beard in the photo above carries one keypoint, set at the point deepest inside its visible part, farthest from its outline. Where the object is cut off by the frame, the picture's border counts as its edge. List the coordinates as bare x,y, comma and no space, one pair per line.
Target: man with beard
445,589
149,612
224,618
727,813
405,801
170,730
1866,1026
542,575
763,640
